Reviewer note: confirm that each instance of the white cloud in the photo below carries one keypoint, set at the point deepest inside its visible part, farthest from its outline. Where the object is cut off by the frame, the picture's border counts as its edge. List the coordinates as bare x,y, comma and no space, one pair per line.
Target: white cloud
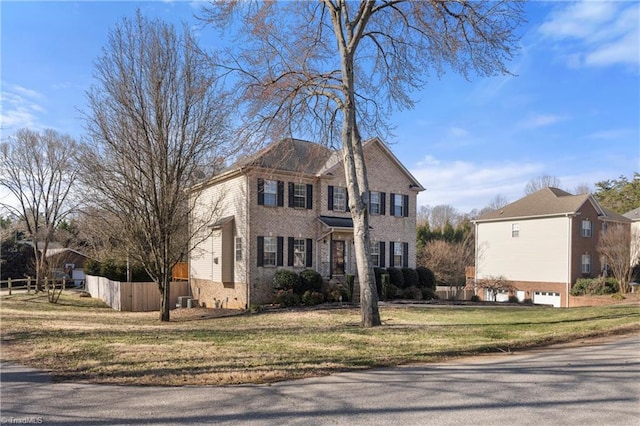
467,186
540,120
596,33
20,108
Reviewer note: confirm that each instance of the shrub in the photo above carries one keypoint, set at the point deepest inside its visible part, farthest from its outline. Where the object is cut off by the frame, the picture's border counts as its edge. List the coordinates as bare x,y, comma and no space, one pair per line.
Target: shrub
92,267
475,298
514,299
385,281
527,301
336,292
617,296
286,298
396,277
411,278
429,294
393,292
310,280
594,286
411,293
350,282
377,272
427,277
312,298
284,279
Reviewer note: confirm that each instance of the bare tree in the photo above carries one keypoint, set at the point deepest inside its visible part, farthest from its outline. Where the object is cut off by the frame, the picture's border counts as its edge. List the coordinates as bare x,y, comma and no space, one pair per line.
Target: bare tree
156,122
492,285
615,248
582,188
541,182
39,171
335,69
448,260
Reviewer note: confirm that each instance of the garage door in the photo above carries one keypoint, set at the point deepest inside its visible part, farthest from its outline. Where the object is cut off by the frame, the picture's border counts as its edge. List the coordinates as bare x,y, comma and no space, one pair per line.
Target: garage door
546,298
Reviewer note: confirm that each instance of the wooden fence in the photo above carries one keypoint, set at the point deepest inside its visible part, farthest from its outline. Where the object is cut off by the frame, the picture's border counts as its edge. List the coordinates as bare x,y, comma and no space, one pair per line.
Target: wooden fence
29,284
133,297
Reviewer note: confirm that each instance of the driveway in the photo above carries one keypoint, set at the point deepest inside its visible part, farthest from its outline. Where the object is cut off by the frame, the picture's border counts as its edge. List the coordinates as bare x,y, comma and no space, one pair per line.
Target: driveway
592,384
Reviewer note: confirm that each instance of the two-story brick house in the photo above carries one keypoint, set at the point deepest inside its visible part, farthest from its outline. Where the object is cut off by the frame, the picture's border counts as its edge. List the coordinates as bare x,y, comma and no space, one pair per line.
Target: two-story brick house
287,207
542,244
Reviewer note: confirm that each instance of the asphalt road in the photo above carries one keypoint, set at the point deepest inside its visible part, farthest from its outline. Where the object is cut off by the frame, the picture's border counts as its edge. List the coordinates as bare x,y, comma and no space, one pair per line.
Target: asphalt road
584,385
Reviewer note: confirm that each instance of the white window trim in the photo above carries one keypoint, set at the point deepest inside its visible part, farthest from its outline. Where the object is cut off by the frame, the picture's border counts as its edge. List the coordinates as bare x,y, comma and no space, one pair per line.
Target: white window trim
268,242
299,252
340,198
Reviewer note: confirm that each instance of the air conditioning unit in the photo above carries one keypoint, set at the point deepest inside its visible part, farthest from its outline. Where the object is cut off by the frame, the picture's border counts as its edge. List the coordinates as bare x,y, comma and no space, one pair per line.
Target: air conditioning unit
183,301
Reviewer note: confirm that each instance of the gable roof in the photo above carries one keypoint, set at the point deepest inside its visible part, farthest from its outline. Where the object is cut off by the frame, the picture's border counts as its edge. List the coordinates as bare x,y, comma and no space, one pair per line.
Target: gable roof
548,202
633,215
303,157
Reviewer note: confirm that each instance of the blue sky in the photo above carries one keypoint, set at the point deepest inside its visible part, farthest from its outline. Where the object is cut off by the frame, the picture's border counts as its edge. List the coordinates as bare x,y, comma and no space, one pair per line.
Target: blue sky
572,111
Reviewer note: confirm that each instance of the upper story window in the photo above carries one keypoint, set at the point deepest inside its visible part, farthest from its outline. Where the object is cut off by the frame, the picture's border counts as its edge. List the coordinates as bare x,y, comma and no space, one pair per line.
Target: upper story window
270,192
399,205
299,195
515,230
338,199
376,203
586,264
585,228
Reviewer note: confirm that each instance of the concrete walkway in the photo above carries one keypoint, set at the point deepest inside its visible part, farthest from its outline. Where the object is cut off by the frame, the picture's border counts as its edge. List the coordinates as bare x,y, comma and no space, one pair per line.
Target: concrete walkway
582,385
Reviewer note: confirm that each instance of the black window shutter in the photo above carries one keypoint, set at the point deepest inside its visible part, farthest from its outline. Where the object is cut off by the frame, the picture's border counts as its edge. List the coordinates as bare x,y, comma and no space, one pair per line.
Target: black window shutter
309,196
290,185
391,251
280,193
309,253
330,198
383,199
405,205
346,193
280,250
260,192
260,251
392,204
382,254
290,251
405,255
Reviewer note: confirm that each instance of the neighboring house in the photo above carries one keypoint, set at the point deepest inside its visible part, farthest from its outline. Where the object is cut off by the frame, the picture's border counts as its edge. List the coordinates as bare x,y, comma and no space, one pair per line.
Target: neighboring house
287,207
67,262
541,244
634,216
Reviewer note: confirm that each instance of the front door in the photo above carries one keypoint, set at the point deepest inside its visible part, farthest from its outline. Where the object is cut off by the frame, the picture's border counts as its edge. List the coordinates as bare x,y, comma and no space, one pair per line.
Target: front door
337,258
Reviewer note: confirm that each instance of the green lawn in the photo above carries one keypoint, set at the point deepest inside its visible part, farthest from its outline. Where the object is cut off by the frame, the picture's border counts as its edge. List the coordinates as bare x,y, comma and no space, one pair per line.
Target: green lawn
82,339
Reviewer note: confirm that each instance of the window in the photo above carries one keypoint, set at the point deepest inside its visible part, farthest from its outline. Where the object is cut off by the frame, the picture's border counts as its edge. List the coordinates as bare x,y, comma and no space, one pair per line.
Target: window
374,203
399,205
300,195
340,199
398,255
238,248
270,193
515,230
586,264
299,253
585,228
375,254
270,250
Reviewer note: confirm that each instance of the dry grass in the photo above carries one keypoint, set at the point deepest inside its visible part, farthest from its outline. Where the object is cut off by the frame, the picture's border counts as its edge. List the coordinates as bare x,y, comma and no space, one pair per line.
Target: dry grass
82,339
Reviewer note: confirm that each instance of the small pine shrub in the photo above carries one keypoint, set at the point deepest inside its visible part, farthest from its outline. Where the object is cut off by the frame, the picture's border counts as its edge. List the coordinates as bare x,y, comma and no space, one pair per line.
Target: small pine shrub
475,298
312,298
396,276
411,278
411,293
427,277
385,281
514,299
310,280
286,298
429,294
285,279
